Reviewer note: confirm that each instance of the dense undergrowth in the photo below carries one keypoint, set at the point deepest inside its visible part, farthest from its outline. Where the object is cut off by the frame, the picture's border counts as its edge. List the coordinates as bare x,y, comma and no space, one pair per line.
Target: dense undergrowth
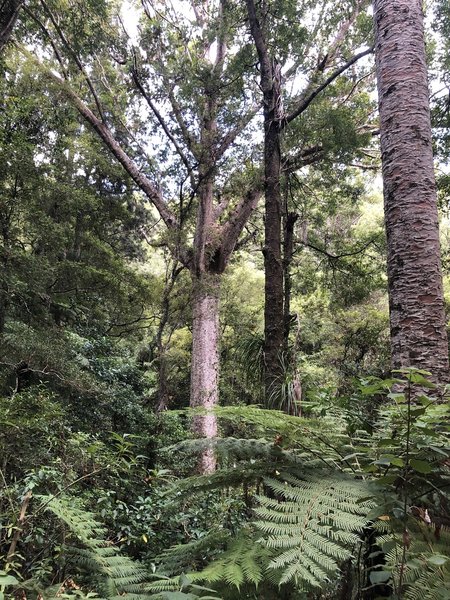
327,505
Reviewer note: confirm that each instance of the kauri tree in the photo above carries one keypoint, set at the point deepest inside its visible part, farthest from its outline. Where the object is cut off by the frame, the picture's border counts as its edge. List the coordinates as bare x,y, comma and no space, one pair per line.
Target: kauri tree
417,318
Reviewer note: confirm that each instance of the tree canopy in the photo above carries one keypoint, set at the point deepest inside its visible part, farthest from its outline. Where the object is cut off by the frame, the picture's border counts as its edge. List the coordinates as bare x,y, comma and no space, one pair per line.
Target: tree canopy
218,376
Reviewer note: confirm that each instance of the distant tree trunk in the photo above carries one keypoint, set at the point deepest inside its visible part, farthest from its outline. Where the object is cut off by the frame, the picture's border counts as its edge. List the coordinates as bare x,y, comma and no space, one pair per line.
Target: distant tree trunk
3,305
205,360
288,251
9,11
417,318
5,253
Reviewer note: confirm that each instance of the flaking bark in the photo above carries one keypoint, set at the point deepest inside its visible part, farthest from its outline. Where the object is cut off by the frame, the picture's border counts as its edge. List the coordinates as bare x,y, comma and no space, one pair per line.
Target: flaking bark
417,319
205,360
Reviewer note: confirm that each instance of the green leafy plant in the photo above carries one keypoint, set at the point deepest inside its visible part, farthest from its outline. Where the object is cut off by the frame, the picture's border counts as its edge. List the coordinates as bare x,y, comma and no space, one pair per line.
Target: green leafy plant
313,521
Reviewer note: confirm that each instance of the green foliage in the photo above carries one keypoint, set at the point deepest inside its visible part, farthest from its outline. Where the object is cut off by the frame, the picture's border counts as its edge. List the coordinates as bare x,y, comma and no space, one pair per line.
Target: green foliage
113,574
244,561
313,522
88,321
424,571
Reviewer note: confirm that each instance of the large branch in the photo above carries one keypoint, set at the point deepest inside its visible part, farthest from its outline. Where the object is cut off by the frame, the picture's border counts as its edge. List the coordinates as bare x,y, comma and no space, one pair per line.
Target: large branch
305,102
343,30
77,60
221,39
261,47
163,124
230,137
335,257
189,140
306,156
142,181
333,47
9,11
151,191
235,224
50,39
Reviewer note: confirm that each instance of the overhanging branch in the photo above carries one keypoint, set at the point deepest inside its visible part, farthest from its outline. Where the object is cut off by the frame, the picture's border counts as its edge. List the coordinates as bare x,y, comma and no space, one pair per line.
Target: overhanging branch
142,181
305,102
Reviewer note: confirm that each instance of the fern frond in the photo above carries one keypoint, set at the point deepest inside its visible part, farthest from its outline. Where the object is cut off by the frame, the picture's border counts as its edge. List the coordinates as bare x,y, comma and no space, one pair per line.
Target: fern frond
187,557
229,477
244,561
115,572
315,521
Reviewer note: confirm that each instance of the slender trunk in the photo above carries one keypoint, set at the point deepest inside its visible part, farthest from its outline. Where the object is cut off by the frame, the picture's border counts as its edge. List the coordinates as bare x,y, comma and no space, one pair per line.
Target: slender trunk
5,253
417,318
19,527
273,265
3,306
288,251
205,360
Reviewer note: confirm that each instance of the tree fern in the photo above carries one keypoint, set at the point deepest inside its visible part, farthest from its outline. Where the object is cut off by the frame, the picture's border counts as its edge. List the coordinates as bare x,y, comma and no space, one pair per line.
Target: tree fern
114,575
312,522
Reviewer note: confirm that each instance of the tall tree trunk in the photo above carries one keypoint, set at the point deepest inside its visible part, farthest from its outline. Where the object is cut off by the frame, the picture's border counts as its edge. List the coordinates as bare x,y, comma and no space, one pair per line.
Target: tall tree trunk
9,11
205,359
5,253
273,264
417,318
3,304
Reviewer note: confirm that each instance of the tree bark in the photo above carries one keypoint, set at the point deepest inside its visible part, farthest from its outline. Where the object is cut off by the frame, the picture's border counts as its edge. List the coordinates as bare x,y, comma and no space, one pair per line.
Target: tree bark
205,360
288,251
273,265
417,318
